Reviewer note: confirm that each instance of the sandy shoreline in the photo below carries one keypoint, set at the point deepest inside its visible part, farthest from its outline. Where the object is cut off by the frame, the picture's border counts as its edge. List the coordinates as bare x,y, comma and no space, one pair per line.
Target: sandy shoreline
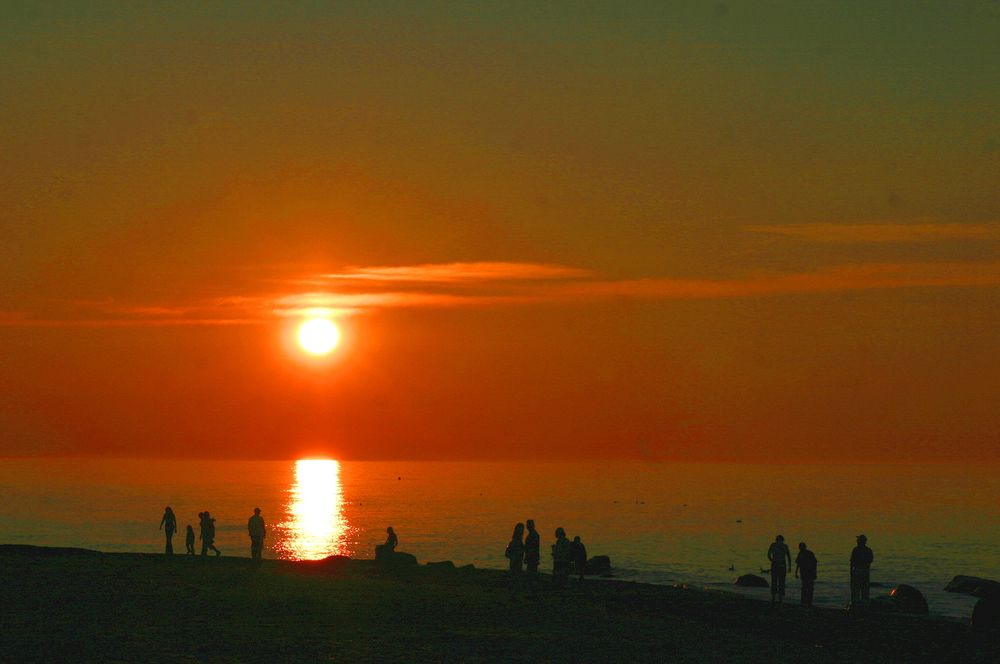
62,604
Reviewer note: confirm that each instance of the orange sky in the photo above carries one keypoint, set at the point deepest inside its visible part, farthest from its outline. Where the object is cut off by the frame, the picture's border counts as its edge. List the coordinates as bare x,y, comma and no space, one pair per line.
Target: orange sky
699,232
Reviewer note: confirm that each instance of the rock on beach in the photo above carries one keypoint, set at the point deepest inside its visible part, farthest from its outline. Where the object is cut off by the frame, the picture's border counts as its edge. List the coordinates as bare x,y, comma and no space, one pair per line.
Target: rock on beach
752,581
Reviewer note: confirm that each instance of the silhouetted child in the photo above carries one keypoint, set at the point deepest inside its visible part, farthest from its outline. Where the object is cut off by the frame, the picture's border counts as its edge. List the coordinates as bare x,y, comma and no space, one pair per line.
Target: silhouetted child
805,564
579,554
189,540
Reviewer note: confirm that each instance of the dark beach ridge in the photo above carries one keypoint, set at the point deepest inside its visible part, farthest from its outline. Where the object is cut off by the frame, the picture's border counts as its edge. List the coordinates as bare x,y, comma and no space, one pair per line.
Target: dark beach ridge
81,605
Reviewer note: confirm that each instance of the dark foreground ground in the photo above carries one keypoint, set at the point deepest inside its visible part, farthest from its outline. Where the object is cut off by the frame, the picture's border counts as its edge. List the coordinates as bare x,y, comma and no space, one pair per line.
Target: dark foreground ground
72,605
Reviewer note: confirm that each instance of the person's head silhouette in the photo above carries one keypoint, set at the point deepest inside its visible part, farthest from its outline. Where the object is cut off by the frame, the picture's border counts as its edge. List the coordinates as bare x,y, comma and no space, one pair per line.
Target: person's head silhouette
560,533
531,524
256,510
802,546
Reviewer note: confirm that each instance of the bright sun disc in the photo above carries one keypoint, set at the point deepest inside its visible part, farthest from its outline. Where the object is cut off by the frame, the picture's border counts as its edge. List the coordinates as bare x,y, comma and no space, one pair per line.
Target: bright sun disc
318,336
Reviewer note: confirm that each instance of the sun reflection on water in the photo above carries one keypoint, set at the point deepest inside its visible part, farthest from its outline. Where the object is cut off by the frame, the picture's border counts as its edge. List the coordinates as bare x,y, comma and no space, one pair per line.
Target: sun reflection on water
317,527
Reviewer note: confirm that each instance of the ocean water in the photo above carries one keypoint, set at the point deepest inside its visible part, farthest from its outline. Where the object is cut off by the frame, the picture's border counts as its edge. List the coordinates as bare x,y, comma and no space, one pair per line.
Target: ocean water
659,523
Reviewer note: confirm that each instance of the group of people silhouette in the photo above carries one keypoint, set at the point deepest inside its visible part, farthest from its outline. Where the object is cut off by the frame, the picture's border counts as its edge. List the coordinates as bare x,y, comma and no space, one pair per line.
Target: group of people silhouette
206,527
523,554
805,569
524,550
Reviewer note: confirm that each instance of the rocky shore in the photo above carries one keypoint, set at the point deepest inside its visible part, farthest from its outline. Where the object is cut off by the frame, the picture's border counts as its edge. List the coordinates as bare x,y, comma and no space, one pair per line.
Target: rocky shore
79,605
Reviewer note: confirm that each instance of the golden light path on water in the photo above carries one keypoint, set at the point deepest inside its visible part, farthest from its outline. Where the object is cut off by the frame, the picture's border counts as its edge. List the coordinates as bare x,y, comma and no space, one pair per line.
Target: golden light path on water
317,527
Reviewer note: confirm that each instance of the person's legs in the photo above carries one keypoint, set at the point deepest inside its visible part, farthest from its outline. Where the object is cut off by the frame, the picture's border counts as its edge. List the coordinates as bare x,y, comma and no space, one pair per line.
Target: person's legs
170,542
531,576
559,573
859,587
514,578
865,582
807,591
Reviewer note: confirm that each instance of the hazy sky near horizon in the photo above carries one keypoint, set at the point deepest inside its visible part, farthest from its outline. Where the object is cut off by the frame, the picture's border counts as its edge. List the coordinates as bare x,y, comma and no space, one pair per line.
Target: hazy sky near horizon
666,230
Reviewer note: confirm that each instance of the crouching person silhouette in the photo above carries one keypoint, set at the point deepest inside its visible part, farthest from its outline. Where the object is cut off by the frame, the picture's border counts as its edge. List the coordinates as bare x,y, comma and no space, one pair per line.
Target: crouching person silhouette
385,550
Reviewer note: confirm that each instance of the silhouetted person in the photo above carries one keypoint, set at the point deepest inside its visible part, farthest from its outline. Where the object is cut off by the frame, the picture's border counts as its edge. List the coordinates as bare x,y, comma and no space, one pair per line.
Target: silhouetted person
861,570
207,527
805,567
560,558
778,553
168,524
578,552
515,556
257,530
391,541
532,554
189,540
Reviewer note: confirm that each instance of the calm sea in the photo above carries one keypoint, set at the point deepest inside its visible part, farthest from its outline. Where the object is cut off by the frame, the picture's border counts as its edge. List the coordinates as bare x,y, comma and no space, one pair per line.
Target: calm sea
659,523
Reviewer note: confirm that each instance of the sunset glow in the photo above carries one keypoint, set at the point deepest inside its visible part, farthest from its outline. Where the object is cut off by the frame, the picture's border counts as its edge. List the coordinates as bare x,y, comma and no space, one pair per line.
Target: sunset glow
318,336
705,231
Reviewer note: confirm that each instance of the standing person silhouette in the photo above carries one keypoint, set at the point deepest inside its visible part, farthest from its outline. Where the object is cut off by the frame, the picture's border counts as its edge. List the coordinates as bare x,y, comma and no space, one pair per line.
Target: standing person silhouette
532,554
189,540
515,557
168,524
805,564
257,530
560,559
778,553
861,568
207,534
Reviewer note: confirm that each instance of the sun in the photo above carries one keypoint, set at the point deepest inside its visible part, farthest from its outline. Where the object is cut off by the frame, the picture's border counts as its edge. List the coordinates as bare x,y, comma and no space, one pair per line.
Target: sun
318,336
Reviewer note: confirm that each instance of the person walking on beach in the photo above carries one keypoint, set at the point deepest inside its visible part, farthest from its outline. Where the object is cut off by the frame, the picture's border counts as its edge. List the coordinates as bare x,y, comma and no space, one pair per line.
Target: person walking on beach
189,540
391,542
168,524
560,559
515,557
861,568
778,553
805,565
207,527
579,554
257,530
532,554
